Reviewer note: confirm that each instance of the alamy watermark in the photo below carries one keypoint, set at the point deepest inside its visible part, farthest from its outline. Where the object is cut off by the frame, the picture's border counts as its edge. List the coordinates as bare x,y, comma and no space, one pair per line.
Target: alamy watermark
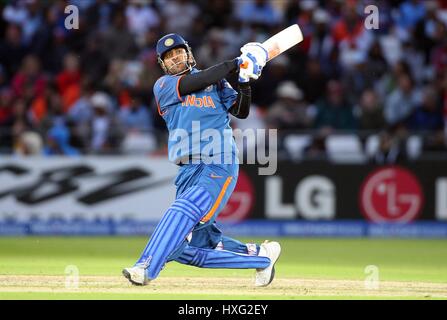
372,277
72,19
72,277
214,146
372,20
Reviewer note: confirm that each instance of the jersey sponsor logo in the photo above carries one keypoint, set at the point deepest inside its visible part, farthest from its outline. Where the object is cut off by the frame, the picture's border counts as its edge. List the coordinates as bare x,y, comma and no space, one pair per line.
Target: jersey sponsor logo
193,101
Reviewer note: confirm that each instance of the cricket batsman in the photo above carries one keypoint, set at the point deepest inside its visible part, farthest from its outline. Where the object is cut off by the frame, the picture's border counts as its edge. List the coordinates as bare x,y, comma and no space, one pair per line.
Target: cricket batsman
194,103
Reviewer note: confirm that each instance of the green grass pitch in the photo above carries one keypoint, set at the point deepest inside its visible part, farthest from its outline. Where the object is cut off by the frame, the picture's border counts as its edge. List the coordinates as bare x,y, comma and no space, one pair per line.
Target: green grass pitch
35,268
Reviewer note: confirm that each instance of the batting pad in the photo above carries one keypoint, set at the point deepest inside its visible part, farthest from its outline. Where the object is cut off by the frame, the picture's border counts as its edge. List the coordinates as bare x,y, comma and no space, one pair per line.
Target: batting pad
173,228
210,258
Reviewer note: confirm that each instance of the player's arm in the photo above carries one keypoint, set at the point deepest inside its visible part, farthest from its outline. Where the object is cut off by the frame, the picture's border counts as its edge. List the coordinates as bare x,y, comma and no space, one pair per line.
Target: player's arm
200,80
241,107
249,65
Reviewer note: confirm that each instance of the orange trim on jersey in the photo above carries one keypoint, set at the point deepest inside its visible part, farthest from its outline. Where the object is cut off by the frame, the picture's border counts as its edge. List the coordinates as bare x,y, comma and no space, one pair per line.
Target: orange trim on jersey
176,88
210,214
158,108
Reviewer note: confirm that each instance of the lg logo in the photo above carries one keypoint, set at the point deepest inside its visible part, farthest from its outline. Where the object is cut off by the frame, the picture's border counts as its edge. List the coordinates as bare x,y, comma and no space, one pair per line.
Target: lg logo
314,199
391,194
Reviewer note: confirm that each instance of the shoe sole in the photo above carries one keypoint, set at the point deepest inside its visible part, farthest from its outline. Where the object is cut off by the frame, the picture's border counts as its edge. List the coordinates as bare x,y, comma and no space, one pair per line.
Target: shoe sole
127,275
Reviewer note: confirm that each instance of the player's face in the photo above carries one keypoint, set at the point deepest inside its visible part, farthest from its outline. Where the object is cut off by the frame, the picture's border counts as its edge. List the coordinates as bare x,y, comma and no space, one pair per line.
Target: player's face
176,60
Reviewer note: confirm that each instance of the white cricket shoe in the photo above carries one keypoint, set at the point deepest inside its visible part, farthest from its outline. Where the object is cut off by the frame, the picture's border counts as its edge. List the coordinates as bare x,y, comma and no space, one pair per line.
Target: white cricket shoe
272,250
136,275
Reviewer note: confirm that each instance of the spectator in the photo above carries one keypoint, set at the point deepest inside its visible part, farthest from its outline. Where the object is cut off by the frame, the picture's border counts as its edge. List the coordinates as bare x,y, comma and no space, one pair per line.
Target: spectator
33,20
321,43
58,142
305,21
101,121
316,150
99,15
94,62
371,111
365,73
313,81
140,18
6,100
350,35
376,63
334,111
6,119
257,12
45,108
12,50
236,35
435,142
150,72
179,15
438,57
20,120
217,13
29,143
81,112
428,115
290,111
69,80
136,120
29,82
118,42
136,116
401,102
390,150
213,49
389,81
273,74
410,13
15,12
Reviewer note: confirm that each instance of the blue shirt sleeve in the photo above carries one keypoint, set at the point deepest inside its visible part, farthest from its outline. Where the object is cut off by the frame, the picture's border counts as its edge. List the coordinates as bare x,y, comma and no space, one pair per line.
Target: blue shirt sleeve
166,93
227,94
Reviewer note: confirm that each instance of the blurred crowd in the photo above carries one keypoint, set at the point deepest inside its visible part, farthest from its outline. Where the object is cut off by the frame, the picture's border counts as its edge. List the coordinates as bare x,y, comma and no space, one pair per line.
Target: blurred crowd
88,90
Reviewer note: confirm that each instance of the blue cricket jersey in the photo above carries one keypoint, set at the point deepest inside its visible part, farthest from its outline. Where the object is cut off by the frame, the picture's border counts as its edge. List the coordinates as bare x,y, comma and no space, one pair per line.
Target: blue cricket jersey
198,123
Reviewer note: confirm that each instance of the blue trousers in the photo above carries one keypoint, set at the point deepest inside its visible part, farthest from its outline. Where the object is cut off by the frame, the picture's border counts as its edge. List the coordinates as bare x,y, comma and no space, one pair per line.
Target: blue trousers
202,192
220,180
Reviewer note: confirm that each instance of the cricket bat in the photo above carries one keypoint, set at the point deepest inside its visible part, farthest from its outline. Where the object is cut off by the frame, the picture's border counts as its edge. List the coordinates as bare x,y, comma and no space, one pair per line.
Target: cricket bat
282,41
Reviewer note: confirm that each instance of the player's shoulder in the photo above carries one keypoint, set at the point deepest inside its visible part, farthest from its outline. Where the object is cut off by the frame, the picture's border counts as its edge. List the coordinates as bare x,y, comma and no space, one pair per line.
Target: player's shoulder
164,81
160,82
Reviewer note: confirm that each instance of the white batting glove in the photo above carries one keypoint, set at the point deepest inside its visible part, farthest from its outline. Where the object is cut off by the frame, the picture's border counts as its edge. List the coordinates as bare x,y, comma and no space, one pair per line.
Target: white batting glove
258,51
248,68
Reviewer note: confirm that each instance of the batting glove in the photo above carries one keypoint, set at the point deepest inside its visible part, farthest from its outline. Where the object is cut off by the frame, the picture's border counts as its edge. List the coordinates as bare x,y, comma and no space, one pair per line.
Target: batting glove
258,51
248,68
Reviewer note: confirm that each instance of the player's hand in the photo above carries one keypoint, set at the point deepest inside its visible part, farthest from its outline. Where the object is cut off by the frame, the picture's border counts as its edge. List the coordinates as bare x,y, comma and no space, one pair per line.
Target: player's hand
248,68
258,51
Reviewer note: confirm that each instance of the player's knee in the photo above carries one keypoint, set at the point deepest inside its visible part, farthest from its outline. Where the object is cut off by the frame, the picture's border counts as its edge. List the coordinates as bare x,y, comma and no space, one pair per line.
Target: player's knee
197,201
